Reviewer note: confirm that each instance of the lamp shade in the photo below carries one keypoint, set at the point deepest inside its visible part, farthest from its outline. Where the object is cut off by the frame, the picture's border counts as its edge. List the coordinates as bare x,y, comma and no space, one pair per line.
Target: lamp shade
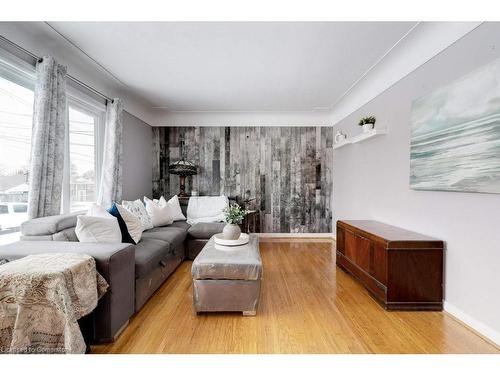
182,168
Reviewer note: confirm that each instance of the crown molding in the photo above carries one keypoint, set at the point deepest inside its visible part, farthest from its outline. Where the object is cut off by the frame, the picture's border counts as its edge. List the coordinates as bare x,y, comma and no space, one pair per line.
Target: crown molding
258,118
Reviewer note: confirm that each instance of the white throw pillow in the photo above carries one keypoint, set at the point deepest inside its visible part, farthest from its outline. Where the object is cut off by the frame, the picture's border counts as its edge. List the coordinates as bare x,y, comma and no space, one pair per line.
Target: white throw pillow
206,209
159,215
133,223
138,209
98,229
96,210
174,206
98,225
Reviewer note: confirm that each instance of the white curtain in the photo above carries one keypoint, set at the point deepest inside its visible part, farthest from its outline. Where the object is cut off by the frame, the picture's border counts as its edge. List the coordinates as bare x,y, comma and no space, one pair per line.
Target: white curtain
48,138
110,189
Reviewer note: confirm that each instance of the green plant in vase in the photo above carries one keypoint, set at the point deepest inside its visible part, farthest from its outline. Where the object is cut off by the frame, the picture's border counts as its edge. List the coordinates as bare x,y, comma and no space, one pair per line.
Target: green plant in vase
233,215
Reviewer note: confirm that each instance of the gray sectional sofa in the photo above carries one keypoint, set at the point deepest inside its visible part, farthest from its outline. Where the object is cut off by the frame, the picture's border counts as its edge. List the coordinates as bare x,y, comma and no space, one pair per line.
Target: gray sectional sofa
133,272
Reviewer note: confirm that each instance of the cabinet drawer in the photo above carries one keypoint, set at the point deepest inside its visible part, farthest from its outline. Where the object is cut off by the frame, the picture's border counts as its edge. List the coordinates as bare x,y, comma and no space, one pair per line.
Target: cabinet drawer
350,246
378,263
340,240
363,253
357,249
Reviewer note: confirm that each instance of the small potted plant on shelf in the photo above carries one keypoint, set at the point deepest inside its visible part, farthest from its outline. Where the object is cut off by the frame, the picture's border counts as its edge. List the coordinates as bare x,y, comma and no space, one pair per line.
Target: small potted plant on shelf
233,215
367,123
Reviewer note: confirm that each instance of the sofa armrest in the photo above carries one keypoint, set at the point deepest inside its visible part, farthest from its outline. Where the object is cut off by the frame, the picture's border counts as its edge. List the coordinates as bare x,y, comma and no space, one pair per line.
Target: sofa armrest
115,262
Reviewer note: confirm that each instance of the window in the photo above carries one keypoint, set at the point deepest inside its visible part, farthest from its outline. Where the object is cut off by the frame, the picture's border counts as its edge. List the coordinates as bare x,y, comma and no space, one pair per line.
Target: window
16,112
18,208
82,158
83,155
85,119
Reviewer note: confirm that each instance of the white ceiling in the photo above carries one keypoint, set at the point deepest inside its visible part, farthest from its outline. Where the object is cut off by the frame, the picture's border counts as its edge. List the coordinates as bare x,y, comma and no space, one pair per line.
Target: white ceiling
236,66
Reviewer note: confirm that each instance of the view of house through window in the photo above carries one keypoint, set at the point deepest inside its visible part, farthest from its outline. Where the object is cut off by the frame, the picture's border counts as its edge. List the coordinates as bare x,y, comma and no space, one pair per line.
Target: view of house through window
16,111
82,156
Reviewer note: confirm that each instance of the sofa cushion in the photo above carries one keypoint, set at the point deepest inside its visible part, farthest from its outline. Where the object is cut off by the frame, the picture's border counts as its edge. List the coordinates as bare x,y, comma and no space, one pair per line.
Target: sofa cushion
133,223
159,212
101,252
149,252
98,229
68,235
126,237
175,208
181,224
49,225
172,234
138,209
205,230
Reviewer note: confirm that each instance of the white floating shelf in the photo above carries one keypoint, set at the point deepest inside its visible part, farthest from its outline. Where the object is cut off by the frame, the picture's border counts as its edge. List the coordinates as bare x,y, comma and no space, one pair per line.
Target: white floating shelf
368,135
341,144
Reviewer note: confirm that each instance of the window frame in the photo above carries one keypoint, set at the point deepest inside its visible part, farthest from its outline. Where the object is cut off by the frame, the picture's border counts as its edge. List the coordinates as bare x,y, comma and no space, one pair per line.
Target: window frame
85,104
17,70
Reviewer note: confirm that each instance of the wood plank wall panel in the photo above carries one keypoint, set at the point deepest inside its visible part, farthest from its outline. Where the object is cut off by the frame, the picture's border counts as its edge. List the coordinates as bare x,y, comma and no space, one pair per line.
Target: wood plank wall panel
287,169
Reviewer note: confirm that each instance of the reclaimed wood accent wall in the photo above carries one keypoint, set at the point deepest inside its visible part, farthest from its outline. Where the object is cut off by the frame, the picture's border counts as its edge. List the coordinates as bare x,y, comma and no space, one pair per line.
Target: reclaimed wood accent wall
287,169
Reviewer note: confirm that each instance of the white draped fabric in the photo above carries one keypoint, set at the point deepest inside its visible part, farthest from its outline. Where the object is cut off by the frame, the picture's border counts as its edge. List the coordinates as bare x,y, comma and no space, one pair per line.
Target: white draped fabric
48,138
110,189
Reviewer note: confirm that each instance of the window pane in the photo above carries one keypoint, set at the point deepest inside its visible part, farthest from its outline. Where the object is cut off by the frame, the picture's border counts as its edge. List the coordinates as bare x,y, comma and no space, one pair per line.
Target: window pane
82,159
16,112
20,208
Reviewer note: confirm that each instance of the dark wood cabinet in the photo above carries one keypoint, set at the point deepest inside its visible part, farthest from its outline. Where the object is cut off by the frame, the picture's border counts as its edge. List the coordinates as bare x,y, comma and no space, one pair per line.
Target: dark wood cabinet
403,270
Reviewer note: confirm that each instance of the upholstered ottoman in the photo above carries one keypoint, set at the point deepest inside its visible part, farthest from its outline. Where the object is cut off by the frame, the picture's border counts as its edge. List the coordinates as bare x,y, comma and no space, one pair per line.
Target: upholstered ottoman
227,280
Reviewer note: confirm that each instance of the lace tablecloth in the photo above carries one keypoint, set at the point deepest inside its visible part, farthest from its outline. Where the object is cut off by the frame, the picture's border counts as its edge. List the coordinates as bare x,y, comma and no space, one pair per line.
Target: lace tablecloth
42,297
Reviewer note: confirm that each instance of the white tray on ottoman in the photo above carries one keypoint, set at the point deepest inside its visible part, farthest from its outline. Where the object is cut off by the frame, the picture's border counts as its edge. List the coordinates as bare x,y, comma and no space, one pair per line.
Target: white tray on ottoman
220,240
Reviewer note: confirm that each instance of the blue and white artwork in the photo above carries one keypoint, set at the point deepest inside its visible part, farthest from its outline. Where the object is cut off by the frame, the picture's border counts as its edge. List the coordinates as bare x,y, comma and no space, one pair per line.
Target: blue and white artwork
455,135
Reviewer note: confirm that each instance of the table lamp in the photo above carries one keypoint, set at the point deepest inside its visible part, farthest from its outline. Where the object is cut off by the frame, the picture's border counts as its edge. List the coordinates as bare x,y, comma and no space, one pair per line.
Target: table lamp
182,168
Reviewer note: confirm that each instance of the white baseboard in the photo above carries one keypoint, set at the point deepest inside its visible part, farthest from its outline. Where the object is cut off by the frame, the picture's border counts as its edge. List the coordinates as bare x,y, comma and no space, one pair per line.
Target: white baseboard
296,235
473,323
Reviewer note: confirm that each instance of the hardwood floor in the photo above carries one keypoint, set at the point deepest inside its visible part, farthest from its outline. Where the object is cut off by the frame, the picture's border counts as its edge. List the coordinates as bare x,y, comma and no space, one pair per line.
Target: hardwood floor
308,305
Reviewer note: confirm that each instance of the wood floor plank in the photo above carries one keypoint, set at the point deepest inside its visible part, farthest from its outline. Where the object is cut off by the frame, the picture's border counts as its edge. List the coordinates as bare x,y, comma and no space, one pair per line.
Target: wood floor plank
308,305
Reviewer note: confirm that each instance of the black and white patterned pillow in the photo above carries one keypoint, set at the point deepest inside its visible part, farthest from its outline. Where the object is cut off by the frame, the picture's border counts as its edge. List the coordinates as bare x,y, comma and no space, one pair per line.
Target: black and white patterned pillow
137,208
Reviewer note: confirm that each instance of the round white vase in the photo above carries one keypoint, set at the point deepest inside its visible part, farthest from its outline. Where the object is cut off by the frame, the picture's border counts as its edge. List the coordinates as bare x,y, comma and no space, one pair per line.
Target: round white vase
367,127
231,231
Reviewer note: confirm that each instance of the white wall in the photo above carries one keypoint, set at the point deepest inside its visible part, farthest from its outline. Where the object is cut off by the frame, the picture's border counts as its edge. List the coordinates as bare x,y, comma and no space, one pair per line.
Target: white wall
371,181
137,158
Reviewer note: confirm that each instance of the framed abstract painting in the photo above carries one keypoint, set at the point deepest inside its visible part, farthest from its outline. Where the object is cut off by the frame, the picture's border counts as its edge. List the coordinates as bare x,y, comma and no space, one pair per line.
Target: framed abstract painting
455,135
